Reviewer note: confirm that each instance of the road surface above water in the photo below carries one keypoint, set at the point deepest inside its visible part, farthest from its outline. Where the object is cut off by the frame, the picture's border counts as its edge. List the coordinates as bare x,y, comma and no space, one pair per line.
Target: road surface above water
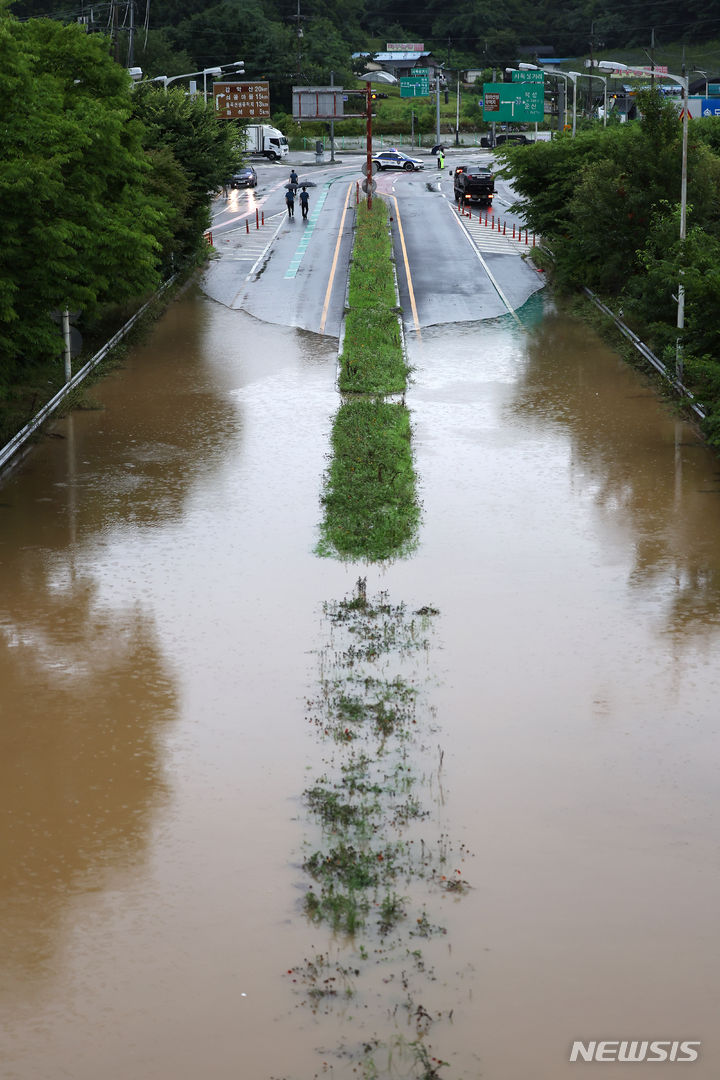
163,630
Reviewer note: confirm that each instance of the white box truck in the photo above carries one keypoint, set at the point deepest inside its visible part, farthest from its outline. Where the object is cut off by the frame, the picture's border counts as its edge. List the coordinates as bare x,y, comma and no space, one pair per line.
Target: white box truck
265,140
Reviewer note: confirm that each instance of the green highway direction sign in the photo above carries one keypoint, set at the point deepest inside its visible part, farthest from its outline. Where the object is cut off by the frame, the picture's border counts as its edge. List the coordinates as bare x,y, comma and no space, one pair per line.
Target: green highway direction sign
418,85
521,100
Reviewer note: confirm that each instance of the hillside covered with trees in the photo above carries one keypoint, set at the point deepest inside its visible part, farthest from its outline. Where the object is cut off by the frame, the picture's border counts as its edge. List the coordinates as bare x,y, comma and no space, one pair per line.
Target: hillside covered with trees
289,41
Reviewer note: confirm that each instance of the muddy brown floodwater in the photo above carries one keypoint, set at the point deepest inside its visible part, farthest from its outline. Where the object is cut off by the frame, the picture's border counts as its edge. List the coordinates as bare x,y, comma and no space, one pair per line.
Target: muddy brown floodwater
167,648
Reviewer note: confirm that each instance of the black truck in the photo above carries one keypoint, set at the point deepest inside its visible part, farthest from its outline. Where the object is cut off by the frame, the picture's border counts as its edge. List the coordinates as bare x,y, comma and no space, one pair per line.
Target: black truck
474,183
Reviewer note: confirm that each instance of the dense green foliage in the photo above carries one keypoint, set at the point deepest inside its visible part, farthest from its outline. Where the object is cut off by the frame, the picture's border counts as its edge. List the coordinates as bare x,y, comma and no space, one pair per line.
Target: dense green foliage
192,153
102,189
78,226
607,204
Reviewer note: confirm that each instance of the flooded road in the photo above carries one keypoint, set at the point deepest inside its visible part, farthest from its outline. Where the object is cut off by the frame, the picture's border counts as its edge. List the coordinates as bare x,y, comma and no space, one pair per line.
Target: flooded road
166,638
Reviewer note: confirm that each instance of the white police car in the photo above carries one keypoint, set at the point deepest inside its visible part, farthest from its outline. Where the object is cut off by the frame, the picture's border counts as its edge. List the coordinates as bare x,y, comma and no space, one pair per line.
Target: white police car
394,159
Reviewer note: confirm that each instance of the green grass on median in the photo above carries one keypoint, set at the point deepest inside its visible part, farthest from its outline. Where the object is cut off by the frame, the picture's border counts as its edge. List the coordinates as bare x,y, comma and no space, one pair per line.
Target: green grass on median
371,509
372,360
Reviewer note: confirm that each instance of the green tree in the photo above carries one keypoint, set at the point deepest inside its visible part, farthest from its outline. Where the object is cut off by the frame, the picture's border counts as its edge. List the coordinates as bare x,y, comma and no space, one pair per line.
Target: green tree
188,136
78,225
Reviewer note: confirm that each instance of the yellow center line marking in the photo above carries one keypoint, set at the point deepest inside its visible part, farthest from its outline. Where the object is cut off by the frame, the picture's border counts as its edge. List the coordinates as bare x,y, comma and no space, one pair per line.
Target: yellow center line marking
334,262
408,276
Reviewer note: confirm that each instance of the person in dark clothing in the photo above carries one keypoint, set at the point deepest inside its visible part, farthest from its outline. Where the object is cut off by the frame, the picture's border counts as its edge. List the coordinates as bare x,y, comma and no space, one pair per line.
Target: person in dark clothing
290,200
293,177
304,202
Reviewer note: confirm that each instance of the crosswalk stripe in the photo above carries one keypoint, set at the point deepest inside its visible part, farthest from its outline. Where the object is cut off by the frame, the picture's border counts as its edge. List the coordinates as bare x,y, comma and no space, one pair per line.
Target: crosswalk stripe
493,240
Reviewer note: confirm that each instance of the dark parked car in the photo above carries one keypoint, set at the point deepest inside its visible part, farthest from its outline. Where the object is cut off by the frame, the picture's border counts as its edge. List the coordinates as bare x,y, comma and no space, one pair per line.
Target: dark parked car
246,177
511,138
393,159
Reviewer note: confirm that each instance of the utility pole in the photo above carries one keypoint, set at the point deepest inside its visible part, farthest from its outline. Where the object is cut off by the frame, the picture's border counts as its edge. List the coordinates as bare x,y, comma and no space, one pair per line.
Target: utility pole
332,126
299,35
114,35
131,33
592,66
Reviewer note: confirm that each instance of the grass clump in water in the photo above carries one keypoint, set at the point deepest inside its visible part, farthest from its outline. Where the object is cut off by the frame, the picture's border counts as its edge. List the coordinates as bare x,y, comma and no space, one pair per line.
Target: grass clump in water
371,509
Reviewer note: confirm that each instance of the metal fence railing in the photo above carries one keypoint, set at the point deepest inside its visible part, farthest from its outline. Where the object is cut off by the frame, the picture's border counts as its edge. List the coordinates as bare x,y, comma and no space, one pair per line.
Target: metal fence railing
11,448
647,354
359,142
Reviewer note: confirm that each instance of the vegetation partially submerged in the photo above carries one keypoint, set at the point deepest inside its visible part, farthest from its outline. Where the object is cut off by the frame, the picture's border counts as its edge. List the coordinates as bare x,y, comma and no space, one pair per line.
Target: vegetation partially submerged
379,866
370,502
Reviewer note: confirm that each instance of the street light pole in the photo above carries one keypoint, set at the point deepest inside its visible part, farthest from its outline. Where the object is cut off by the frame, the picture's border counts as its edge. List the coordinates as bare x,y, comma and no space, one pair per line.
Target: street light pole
603,80
238,66
683,82
457,109
574,75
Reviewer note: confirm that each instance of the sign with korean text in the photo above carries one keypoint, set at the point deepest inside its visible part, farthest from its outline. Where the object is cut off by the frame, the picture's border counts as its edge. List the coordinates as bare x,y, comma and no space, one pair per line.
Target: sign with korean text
517,102
529,76
414,87
638,72
241,100
405,46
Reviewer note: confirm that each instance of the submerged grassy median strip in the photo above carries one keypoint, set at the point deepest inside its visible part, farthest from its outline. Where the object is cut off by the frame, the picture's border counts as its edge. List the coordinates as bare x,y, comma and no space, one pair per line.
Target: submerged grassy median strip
380,866
370,500
371,510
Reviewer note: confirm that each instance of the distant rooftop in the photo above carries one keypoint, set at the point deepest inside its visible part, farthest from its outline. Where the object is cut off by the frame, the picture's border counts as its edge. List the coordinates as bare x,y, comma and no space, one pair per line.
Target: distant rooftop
400,55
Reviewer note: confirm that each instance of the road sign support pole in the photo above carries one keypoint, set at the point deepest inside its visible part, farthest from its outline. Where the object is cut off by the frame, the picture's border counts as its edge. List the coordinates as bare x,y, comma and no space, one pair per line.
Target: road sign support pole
437,108
332,126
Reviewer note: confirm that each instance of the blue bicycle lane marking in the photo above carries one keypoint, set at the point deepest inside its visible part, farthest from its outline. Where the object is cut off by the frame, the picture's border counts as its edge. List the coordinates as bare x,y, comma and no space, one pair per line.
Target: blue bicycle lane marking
297,258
